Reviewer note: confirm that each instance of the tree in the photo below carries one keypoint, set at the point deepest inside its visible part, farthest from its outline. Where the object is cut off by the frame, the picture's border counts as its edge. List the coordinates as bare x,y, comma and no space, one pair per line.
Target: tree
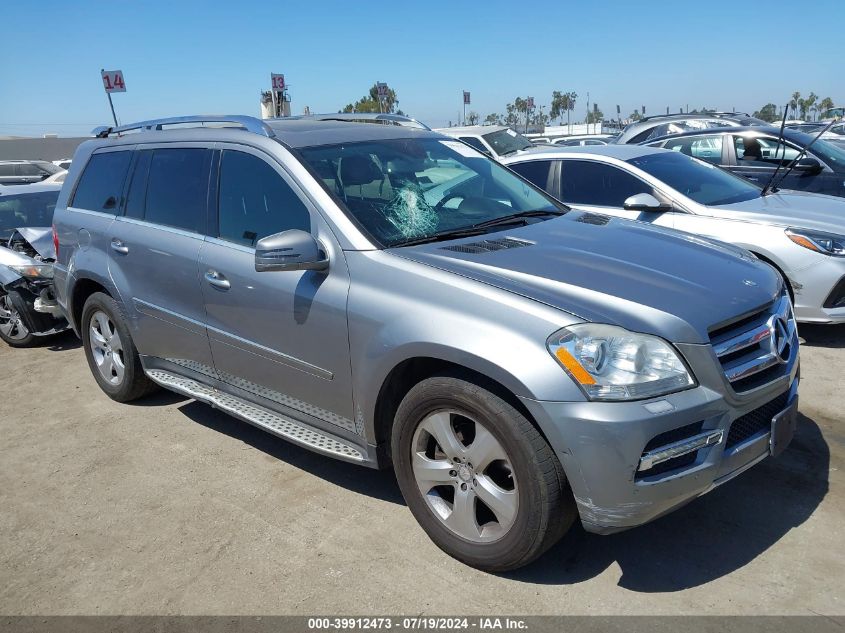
596,116
493,119
810,103
370,102
825,105
796,99
473,117
562,102
635,115
768,112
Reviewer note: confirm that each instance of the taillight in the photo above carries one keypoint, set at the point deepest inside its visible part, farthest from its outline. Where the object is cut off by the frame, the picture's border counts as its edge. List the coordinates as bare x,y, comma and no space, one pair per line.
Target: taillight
56,242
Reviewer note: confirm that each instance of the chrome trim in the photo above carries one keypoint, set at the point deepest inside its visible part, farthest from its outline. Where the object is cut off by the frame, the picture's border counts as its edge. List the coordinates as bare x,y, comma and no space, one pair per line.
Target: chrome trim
678,449
249,123
741,341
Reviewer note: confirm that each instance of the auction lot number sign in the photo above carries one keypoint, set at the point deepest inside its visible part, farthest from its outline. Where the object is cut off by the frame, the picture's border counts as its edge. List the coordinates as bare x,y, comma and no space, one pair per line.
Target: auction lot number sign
113,81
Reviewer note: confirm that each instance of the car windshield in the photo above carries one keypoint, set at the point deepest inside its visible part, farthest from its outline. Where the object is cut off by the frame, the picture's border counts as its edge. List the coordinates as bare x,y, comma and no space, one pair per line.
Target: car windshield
701,182
26,209
404,190
506,141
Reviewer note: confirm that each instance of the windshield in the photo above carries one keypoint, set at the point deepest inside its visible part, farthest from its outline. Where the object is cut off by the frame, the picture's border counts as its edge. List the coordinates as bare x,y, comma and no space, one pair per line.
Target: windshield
407,189
702,182
27,209
506,141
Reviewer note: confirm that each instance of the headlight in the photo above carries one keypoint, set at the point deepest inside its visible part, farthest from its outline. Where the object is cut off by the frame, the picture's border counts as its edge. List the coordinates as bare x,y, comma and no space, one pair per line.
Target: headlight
825,243
35,271
611,363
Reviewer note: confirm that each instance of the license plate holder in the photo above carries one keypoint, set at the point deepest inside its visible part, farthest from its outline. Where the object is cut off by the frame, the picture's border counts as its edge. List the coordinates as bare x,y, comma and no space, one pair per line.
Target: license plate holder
783,428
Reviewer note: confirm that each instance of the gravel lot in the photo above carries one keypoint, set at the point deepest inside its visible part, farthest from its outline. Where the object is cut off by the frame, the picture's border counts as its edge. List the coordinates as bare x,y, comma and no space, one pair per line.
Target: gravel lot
169,507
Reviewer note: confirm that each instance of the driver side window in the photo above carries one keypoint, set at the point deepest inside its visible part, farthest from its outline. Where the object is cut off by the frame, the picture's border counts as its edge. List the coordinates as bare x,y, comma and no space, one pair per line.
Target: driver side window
255,201
592,183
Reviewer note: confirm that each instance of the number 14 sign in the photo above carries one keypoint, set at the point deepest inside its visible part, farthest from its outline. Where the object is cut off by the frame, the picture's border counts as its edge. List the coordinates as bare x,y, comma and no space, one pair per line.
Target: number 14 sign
113,81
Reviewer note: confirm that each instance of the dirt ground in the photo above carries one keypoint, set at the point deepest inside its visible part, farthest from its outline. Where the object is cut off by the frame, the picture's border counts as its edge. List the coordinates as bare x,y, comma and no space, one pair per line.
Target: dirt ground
166,506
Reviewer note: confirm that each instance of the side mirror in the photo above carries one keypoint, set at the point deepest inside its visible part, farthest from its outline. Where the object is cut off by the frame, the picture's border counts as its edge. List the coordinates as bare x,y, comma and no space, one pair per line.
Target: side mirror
289,250
808,165
645,202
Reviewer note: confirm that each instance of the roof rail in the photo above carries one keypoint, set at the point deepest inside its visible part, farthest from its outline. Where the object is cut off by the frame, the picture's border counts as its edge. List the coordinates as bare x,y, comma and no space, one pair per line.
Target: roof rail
249,123
360,117
678,115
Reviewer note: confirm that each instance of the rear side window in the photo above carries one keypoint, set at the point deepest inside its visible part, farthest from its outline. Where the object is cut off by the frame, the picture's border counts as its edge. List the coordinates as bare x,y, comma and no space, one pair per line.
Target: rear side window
7,170
255,201
176,188
474,142
534,171
101,184
587,182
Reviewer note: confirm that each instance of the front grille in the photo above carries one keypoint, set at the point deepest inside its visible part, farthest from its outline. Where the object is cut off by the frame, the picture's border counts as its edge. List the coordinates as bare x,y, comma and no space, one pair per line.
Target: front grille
756,421
836,298
670,437
755,350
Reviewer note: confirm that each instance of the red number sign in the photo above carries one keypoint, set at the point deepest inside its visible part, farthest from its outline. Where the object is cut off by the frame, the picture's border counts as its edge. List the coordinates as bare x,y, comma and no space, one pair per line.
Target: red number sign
277,82
113,81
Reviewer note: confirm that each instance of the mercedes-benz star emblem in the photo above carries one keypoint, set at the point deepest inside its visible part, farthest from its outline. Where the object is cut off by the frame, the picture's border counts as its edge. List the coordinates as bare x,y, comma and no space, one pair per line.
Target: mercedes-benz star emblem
779,338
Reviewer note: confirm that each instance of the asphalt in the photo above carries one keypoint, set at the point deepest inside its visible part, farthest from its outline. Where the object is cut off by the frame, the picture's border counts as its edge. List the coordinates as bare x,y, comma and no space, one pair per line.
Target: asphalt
166,506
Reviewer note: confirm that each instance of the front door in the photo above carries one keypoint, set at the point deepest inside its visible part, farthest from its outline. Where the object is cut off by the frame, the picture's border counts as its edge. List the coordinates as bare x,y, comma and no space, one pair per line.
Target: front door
281,335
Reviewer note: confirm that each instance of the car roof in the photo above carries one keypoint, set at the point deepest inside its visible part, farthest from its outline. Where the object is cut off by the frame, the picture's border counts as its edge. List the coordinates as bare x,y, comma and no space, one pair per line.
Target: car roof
620,152
34,188
754,130
471,129
299,133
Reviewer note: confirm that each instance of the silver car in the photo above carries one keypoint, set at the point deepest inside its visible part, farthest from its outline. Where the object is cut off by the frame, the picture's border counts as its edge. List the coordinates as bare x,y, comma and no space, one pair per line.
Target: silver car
390,297
801,234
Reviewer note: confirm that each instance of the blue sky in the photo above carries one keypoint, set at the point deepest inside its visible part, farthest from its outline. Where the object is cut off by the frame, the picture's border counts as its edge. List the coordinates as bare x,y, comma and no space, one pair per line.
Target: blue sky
184,56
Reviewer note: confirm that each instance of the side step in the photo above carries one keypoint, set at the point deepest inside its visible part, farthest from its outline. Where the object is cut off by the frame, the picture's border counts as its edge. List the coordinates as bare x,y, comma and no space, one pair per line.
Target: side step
265,419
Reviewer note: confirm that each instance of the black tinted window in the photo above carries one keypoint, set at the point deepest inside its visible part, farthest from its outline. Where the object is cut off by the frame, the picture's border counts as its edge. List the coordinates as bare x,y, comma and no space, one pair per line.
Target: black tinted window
101,184
534,171
7,170
587,182
255,201
476,143
137,196
177,188
28,169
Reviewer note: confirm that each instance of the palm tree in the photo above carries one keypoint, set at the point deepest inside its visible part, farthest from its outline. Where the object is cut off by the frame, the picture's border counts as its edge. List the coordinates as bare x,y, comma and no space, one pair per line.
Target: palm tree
796,99
810,102
825,105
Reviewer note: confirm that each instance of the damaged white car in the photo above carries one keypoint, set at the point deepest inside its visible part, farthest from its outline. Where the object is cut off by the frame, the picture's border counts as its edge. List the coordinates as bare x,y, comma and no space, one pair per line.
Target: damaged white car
28,308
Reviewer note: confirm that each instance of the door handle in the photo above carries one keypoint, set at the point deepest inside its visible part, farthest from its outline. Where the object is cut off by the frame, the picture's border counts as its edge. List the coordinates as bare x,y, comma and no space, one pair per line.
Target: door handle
217,280
119,247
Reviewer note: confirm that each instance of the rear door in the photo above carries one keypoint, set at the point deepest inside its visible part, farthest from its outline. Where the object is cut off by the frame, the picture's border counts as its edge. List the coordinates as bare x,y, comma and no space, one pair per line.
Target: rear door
154,248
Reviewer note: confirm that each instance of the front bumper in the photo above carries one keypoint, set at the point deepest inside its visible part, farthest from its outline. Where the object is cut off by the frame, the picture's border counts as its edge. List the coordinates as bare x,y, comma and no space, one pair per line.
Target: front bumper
601,444
820,291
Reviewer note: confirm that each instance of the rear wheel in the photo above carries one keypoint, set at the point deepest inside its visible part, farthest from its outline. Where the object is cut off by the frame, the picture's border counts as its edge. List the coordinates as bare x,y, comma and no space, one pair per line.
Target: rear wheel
110,352
12,328
478,476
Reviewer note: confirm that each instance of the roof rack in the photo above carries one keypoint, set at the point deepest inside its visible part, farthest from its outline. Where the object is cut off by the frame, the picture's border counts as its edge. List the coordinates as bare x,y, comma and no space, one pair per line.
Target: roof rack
360,117
249,123
674,115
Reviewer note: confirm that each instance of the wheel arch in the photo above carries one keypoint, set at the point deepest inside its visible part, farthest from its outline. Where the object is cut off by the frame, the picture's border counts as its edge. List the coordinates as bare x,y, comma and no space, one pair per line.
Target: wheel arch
82,289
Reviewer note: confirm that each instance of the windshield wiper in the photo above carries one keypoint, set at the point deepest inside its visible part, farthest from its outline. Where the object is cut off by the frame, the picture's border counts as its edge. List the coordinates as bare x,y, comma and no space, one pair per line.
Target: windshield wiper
480,228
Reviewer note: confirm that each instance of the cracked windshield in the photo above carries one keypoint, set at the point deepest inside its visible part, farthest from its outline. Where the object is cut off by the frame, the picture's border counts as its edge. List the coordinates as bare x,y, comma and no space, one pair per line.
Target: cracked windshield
411,190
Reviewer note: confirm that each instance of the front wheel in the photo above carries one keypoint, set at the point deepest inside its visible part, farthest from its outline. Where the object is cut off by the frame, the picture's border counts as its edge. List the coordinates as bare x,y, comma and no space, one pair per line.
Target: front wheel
12,328
478,476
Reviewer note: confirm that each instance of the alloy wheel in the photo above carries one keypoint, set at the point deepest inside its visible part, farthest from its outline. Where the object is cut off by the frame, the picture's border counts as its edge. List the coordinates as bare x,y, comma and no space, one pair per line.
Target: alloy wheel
106,348
10,321
465,476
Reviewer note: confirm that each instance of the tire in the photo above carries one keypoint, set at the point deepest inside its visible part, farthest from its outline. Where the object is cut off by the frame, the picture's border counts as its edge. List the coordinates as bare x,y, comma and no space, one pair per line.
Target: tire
110,351
12,328
532,505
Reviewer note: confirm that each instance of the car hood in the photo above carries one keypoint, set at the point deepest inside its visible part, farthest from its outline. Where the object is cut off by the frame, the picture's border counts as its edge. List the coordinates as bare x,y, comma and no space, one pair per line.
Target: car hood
789,208
41,239
609,270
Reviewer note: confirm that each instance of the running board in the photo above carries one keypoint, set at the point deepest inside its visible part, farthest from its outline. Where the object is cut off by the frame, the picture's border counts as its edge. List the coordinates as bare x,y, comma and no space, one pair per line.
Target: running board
264,419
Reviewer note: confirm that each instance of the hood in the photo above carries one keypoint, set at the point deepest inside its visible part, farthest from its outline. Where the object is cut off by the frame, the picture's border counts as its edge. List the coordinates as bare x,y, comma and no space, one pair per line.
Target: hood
789,208
609,270
40,238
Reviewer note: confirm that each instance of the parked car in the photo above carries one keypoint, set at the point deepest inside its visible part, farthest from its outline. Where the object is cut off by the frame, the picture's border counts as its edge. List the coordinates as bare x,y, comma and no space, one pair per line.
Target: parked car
652,127
24,172
493,140
57,178
28,308
389,296
63,163
800,234
755,153
586,139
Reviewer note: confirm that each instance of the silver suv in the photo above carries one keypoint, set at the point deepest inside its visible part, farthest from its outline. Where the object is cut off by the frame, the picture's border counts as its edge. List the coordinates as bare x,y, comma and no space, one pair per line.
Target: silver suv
389,296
